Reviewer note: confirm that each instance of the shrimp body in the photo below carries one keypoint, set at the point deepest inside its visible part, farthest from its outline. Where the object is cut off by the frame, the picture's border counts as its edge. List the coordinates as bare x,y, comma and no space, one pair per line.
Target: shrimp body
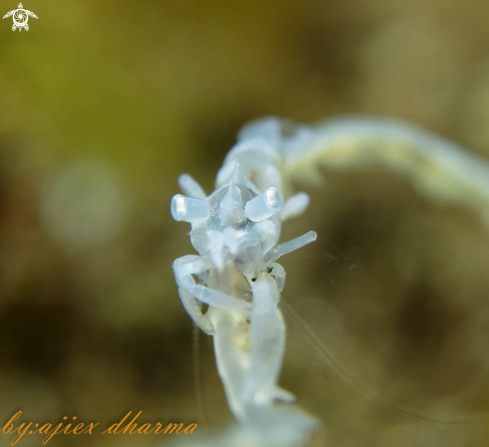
235,230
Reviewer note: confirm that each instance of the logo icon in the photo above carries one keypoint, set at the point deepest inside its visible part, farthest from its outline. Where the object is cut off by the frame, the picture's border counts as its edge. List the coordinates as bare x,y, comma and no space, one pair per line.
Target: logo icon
21,17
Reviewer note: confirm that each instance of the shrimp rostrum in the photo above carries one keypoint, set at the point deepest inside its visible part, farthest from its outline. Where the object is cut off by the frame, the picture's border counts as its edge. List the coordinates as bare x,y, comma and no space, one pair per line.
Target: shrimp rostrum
236,230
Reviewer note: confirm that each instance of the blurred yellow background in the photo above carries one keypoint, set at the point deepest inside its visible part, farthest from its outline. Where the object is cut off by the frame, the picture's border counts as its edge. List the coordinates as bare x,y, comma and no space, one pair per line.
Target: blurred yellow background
104,104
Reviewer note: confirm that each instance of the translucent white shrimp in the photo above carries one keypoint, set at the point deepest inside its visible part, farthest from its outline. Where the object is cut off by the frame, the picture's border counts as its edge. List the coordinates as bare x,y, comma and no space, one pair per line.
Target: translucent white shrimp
236,230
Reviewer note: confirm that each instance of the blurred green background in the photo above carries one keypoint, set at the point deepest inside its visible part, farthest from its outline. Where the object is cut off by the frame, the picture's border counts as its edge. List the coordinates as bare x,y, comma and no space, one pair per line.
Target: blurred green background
104,104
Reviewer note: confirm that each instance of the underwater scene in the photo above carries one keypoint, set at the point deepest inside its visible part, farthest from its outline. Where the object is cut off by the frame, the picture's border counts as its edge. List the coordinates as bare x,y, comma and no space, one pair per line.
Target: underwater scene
375,154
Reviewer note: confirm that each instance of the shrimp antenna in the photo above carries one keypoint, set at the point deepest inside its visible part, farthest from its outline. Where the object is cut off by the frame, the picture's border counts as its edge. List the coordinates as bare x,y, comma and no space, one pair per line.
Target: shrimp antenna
198,375
367,392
